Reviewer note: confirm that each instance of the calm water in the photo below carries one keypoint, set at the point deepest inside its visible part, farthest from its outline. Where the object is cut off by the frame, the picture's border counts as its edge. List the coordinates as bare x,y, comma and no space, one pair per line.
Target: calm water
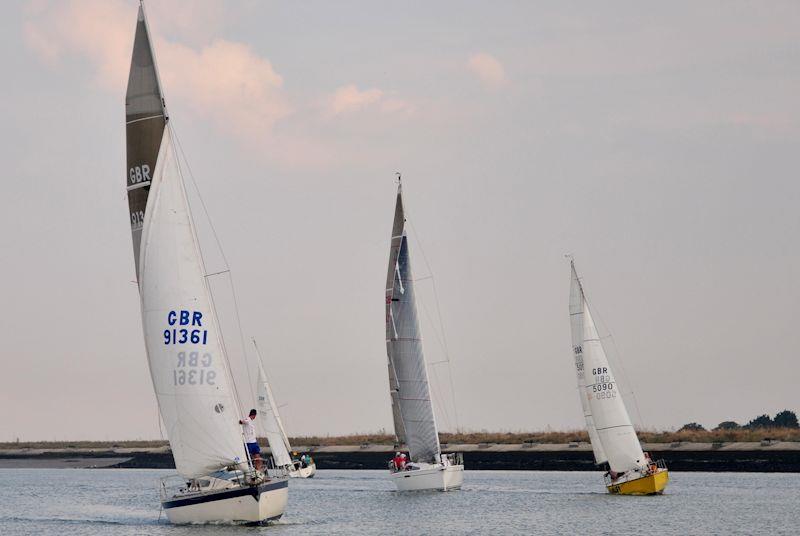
125,502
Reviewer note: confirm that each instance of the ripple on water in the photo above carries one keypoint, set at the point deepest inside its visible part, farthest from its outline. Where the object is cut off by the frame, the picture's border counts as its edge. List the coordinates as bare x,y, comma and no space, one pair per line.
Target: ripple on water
125,502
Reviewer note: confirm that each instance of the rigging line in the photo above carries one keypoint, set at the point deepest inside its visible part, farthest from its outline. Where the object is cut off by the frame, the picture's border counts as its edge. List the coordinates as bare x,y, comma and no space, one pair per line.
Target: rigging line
226,270
234,389
441,321
241,338
437,394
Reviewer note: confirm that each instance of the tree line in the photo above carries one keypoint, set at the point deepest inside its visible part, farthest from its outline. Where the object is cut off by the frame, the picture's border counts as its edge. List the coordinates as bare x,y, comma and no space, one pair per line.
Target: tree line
782,419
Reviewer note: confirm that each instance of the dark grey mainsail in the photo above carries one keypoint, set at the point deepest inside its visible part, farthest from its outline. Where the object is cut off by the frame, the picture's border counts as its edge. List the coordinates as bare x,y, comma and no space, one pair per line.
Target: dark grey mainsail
414,421
145,117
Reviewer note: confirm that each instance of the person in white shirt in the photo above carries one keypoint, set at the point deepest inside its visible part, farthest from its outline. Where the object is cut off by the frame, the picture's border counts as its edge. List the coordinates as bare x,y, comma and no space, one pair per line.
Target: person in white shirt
249,432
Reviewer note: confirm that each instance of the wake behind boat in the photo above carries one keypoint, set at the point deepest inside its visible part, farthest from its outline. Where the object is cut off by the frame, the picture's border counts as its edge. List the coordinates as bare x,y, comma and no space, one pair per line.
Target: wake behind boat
188,364
614,441
414,421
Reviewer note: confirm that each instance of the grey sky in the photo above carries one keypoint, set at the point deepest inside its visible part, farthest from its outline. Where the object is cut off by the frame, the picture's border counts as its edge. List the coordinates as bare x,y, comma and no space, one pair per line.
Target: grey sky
656,143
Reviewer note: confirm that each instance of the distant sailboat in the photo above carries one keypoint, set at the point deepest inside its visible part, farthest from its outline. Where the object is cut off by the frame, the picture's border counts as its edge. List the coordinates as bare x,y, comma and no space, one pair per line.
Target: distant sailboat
272,428
414,420
188,364
614,441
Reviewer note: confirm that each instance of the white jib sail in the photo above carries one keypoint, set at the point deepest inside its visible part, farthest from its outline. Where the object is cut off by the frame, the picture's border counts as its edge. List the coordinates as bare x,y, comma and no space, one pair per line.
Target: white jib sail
611,419
271,424
576,325
189,370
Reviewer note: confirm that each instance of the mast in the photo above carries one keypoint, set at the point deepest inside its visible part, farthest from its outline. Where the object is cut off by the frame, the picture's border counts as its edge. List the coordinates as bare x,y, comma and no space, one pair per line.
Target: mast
576,301
415,424
145,119
611,420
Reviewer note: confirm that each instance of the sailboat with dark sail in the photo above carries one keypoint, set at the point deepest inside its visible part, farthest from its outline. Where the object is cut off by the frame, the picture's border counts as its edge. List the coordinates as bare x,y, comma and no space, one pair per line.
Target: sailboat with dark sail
614,441
188,362
426,468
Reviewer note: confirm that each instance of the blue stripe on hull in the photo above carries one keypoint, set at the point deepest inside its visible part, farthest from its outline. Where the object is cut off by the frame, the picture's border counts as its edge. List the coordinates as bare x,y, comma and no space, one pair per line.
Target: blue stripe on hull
253,491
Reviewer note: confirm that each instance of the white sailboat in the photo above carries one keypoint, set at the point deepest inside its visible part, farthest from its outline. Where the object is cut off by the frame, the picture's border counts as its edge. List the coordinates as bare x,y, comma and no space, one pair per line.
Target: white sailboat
614,441
414,421
188,363
271,427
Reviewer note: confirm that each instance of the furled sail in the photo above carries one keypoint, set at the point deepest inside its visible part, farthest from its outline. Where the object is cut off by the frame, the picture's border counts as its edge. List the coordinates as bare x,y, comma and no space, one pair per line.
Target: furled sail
576,325
611,420
415,424
145,118
189,370
271,424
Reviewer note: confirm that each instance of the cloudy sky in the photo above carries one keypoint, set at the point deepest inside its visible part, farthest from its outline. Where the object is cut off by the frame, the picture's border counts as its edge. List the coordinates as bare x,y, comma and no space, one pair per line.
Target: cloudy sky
658,144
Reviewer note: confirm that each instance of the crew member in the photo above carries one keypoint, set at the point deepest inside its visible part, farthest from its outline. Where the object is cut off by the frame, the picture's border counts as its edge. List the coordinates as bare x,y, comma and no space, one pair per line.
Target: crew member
249,432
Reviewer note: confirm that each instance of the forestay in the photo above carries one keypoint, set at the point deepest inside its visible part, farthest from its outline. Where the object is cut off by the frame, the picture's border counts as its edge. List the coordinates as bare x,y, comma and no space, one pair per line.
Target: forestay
270,421
145,117
415,424
187,364
576,324
614,428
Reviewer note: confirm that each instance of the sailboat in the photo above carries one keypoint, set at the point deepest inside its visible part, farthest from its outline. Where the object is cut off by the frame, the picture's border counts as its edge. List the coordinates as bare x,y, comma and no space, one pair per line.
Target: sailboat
614,441
271,427
188,362
414,422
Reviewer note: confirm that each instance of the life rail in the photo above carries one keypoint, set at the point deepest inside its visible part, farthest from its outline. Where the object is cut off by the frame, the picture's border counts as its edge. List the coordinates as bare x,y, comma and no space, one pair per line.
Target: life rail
649,469
451,458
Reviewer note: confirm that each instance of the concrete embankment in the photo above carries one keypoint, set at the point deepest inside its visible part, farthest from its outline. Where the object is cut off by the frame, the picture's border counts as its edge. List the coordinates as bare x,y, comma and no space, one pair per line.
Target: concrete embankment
737,457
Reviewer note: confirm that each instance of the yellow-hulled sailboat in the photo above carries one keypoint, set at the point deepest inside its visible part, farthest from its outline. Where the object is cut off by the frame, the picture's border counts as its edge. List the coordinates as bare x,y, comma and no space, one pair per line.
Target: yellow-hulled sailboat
614,441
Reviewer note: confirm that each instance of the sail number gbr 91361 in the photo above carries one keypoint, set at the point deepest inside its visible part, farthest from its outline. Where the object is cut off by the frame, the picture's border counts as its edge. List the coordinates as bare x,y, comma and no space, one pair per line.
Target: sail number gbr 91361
187,328
192,367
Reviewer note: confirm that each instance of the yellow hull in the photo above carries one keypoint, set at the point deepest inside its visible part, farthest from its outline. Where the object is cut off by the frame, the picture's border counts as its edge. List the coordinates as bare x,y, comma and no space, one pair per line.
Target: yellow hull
647,485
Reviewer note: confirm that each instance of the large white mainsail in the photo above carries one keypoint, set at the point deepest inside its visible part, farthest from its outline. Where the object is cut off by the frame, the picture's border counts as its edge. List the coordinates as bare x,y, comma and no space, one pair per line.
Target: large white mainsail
415,424
187,364
270,423
612,423
576,328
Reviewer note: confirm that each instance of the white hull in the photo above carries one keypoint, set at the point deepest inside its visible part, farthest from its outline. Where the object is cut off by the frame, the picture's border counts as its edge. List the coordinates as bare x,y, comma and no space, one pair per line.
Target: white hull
300,472
438,477
242,504
304,472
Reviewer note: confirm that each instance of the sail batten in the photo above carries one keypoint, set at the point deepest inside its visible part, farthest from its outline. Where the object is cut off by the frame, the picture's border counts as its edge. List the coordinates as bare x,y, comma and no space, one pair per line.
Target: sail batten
409,389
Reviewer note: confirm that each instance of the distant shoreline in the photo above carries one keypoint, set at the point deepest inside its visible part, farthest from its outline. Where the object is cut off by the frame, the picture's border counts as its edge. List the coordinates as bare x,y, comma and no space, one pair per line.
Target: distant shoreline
762,456
740,435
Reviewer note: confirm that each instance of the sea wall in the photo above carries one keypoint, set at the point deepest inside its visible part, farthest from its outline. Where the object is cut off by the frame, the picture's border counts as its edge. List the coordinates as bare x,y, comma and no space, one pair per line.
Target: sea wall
719,457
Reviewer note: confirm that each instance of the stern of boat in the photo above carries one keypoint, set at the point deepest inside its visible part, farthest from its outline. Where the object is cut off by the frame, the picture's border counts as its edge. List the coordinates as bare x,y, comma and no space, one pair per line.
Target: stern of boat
304,472
652,483
237,503
444,476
